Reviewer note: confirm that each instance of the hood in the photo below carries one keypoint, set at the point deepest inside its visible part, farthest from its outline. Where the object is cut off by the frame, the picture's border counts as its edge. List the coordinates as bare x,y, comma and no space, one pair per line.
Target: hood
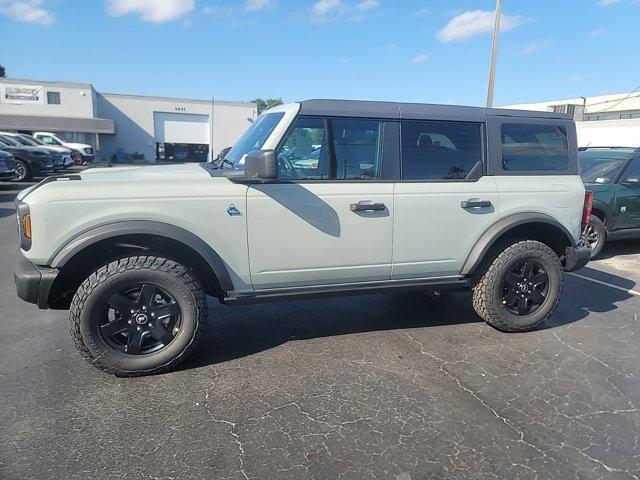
54,149
24,148
79,146
187,171
4,155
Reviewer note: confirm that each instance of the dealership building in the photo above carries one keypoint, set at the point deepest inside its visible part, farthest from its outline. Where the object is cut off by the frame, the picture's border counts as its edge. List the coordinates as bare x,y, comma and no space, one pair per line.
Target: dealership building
160,128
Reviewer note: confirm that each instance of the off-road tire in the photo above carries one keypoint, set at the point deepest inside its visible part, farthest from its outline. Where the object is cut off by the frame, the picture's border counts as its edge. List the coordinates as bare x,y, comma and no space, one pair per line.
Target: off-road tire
88,302
487,284
601,232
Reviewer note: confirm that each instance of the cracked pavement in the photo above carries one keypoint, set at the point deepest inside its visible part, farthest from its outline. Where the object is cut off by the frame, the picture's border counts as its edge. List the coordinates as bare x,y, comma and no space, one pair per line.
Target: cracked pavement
393,386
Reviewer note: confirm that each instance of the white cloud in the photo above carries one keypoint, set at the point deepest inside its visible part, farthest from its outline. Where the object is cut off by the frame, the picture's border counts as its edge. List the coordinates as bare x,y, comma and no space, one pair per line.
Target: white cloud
423,12
472,23
156,11
604,3
535,47
258,5
367,5
423,57
330,10
343,61
597,32
26,11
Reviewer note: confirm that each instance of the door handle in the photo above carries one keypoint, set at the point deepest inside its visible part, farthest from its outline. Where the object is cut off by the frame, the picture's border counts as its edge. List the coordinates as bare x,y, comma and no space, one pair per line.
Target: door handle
367,207
476,204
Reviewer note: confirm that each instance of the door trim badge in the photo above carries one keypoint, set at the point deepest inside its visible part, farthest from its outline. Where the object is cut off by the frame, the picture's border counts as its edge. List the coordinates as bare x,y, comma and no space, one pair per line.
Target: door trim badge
233,211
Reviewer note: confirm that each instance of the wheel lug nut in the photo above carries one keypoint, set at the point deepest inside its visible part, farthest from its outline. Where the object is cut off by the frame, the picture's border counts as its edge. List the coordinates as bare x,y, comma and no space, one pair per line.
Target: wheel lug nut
139,328
133,311
129,322
151,325
153,314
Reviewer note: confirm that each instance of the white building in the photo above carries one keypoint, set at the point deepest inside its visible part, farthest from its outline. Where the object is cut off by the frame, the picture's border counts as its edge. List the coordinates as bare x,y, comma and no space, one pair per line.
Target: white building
171,129
602,121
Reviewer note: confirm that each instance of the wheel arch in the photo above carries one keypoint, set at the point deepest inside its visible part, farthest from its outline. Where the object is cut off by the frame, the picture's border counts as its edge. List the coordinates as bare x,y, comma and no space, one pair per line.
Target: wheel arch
532,226
98,246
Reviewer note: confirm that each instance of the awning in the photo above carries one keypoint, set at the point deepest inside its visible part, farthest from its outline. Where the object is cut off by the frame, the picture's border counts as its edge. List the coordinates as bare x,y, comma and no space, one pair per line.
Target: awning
57,124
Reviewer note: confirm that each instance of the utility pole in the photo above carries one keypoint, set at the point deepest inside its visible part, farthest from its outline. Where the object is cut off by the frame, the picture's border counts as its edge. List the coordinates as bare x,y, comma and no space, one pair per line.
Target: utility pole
494,53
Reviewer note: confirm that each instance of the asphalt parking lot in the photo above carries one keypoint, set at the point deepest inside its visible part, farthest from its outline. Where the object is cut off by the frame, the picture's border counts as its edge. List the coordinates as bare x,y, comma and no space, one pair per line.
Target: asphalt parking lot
393,386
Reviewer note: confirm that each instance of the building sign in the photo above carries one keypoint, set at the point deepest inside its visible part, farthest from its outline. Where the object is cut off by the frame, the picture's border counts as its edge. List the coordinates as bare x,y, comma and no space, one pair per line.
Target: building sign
21,94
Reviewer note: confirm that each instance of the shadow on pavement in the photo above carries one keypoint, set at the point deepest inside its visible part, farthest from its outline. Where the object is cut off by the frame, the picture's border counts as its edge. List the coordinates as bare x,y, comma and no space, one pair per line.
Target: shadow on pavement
6,212
620,247
236,332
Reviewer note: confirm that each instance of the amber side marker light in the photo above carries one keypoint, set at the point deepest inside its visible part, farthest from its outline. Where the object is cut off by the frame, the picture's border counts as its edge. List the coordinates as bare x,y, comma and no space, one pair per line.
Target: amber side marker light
26,225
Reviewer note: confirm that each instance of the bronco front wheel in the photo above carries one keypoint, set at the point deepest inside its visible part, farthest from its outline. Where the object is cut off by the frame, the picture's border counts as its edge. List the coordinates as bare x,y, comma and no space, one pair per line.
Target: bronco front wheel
138,316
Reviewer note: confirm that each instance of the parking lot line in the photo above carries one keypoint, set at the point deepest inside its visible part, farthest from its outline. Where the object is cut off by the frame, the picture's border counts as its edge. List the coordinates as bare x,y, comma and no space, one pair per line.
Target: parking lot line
631,292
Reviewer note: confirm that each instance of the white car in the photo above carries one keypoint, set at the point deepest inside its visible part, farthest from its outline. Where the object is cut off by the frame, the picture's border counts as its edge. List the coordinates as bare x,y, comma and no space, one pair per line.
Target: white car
398,197
80,152
63,155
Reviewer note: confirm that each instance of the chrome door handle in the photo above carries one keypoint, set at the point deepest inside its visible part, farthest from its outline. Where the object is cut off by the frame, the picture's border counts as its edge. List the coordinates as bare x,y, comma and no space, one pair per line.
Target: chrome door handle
476,204
367,207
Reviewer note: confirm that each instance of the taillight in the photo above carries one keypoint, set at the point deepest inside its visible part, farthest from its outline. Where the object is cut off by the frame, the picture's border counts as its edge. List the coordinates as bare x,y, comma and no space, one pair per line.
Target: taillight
588,206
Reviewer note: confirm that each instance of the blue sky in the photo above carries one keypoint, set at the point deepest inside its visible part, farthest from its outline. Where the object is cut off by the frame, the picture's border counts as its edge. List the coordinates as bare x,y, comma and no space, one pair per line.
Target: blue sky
406,50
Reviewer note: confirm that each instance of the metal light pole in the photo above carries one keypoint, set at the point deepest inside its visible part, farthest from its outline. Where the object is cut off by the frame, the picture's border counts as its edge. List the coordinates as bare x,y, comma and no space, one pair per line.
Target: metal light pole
494,53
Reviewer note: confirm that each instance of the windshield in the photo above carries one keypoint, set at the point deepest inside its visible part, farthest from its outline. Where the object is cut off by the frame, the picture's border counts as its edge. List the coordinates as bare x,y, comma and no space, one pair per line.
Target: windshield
9,141
601,166
27,140
253,139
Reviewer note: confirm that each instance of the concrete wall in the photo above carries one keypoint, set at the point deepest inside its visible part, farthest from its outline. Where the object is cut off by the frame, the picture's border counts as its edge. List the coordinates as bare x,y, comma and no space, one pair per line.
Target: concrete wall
76,100
609,133
134,120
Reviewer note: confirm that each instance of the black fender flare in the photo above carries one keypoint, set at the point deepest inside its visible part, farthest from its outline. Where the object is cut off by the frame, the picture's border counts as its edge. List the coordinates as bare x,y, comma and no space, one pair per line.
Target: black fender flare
145,227
495,231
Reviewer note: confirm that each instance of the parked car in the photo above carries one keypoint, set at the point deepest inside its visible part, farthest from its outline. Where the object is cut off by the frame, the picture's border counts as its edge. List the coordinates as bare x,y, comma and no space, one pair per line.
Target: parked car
7,166
80,152
62,155
613,174
466,198
29,161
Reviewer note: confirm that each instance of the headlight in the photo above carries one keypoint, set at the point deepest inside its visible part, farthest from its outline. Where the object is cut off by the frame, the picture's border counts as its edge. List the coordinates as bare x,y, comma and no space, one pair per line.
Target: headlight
88,151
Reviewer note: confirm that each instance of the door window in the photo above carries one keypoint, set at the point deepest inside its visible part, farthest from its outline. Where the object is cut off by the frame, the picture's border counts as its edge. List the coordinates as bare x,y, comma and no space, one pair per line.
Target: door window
355,149
439,150
49,140
534,147
632,173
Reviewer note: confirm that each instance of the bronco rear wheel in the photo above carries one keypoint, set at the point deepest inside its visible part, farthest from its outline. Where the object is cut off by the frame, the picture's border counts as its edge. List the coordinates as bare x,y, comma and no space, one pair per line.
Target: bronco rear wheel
138,316
518,287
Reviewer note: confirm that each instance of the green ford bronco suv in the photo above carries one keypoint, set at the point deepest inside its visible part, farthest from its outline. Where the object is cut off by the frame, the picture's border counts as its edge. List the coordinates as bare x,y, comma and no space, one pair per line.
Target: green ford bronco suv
318,198
613,175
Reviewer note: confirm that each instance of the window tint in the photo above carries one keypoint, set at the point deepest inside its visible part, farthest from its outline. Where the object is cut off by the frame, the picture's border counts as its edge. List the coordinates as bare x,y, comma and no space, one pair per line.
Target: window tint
53,98
357,148
532,147
632,171
304,153
439,150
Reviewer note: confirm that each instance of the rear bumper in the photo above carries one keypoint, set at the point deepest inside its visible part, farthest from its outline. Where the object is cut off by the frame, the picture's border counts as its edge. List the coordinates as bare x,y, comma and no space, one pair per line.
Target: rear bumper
576,257
33,282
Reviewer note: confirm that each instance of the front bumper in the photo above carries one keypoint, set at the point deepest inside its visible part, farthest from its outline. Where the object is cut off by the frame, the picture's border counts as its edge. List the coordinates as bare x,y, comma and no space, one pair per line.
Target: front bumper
576,257
33,282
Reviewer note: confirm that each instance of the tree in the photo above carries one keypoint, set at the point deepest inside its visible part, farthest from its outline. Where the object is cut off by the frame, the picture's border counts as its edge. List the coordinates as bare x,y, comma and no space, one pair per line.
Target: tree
3,72
266,104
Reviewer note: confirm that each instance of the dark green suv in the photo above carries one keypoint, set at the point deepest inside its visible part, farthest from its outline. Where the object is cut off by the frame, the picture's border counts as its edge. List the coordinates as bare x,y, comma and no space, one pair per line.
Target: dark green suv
613,175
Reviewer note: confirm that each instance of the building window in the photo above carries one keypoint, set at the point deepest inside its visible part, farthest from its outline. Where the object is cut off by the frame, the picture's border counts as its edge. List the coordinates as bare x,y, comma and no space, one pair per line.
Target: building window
627,116
53,98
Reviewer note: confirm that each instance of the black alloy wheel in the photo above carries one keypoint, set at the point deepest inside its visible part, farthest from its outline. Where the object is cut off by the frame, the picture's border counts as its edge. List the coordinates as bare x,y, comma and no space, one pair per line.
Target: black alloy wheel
525,287
140,319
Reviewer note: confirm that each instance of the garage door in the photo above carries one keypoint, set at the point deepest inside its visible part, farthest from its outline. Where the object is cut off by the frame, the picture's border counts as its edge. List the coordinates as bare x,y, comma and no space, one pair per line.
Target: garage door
181,128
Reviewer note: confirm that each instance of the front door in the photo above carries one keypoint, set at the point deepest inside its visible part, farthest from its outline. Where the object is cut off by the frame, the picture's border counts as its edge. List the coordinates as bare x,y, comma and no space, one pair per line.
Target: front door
442,206
628,196
328,219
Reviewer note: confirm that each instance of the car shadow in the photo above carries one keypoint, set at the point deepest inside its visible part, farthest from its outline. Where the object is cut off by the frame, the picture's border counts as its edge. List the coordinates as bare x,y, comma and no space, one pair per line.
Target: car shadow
619,247
237,332
6,212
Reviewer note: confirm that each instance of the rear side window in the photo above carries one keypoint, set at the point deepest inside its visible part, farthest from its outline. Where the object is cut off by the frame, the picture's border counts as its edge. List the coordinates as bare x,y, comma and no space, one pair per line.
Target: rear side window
357,146
439,150
534,148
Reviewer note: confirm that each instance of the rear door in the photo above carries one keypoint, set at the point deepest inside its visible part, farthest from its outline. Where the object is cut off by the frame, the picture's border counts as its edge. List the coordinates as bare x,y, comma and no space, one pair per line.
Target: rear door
443,202
328,219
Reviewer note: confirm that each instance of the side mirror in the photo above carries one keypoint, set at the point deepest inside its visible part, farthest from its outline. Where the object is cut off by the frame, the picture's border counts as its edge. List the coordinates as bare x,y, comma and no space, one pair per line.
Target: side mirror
632,181
261,165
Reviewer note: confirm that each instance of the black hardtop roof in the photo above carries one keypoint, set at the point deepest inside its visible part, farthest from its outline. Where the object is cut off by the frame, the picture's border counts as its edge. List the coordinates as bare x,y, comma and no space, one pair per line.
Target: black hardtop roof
415,111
